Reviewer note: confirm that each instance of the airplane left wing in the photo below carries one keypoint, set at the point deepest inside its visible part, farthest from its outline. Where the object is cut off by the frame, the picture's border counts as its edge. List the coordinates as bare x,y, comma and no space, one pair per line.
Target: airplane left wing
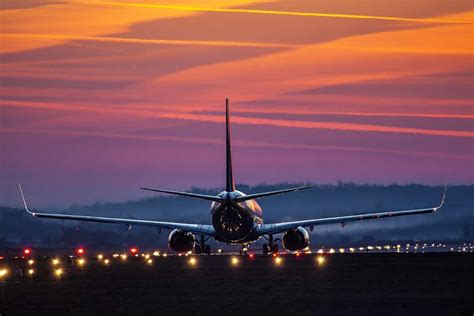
207,230
281,227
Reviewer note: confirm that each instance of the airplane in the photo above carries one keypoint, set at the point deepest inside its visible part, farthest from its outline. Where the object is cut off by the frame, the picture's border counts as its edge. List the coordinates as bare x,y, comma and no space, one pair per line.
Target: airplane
236,218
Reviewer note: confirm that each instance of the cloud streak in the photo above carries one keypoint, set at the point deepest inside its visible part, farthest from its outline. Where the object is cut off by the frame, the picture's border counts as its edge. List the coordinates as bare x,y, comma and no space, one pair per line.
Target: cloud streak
108,39
251,120
274,12
215,141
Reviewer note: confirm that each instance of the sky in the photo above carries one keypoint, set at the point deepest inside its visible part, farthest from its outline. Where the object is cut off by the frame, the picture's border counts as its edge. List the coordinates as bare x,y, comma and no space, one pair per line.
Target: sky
98,98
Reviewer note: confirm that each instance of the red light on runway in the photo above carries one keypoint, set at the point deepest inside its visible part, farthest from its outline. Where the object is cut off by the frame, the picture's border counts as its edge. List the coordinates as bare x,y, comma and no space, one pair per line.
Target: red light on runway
27,251
251,256
133,250
80,251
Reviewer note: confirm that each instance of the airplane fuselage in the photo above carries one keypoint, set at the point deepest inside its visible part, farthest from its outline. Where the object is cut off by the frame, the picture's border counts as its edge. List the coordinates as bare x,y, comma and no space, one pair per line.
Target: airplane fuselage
235,222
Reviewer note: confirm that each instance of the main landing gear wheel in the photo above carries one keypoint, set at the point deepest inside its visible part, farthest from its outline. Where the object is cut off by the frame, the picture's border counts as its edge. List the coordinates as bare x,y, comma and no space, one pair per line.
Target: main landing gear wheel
271,247
266,249
197,249
201,247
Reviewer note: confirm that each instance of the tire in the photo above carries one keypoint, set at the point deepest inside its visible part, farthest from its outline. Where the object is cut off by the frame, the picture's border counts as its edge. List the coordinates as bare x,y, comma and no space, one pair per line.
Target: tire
265,249
197,249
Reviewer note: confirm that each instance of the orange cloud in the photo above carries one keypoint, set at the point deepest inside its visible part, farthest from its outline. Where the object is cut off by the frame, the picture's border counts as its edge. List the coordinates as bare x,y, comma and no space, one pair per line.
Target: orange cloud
77,18
387,55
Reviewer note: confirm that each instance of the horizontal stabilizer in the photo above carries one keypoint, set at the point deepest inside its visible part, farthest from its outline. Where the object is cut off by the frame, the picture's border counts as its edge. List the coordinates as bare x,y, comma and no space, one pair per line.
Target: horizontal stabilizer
264,194
187,194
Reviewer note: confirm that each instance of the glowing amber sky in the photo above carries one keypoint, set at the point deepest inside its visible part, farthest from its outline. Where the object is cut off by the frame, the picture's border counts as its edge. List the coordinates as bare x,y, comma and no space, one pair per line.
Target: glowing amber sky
100,97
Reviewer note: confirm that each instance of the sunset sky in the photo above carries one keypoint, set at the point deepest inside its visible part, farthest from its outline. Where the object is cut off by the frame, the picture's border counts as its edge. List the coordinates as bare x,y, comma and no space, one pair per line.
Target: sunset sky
98,98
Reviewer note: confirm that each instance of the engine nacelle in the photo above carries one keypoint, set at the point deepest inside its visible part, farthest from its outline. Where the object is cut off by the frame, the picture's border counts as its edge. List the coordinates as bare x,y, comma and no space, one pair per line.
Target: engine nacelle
181,241
295,239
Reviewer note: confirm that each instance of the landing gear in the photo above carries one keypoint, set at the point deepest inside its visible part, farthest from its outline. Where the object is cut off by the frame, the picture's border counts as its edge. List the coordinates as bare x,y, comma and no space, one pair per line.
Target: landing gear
271,247
201,247
266,249
197,249
243,249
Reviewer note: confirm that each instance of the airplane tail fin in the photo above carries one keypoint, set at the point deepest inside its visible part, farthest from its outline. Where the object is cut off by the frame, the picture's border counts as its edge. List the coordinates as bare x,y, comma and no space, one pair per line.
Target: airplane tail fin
230,186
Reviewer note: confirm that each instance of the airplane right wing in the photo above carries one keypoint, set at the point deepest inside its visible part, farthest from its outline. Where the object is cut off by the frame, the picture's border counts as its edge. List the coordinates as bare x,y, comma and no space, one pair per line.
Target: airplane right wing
281,227
207,230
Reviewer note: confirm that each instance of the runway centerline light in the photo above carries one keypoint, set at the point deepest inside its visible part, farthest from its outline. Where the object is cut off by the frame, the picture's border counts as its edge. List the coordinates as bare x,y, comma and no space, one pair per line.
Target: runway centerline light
106,261
278,260
150,261
58,272
192,261
123,256
55,261
320,260
234,261
81,262
31,262
31,271
3,273
100,256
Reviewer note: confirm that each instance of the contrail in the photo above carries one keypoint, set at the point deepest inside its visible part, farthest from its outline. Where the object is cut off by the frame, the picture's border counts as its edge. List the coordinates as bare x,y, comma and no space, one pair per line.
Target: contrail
147,41
273,12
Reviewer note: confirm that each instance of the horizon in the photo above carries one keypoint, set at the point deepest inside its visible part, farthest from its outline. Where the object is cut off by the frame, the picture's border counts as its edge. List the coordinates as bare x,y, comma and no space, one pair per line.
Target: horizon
216,190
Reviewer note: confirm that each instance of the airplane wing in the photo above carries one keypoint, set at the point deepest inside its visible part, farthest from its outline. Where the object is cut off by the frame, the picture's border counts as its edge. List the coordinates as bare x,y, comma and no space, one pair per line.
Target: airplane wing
281,227
207,230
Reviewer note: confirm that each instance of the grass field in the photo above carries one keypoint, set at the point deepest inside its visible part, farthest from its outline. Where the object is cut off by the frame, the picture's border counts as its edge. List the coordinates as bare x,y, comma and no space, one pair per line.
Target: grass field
344,284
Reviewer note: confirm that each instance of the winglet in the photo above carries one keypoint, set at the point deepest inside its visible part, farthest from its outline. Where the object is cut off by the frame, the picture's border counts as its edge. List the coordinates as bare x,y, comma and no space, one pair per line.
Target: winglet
24,201
442,199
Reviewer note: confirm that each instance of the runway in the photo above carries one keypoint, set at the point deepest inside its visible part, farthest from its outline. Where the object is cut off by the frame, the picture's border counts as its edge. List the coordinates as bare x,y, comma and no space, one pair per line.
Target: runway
329,284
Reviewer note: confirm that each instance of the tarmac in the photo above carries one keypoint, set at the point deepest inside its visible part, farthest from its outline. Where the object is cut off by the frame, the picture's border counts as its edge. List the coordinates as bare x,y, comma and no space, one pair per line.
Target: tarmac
308,284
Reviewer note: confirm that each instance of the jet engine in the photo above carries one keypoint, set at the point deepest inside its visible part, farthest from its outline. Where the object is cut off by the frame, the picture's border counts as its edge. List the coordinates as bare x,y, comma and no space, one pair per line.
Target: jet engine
295,239
181,241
